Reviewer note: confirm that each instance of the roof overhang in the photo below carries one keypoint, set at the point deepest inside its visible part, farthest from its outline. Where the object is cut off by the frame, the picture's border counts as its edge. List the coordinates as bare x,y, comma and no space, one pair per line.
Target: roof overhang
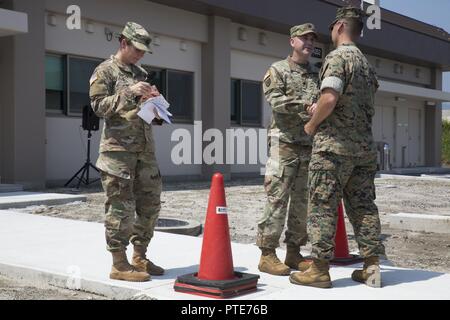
400,37
405,90
13,22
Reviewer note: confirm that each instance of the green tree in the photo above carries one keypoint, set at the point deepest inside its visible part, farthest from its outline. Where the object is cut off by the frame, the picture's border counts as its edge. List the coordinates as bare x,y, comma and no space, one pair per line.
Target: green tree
446,142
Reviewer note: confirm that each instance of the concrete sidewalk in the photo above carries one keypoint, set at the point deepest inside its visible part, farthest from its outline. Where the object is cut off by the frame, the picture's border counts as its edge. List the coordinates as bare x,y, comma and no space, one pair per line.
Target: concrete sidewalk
72,254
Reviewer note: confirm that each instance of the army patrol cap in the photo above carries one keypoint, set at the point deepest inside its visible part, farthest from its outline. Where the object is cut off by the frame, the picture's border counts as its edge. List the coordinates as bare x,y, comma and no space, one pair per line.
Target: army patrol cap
300,30
348,13
138,36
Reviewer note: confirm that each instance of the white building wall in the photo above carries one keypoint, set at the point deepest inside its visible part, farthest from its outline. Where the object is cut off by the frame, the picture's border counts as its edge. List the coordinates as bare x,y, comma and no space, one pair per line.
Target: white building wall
401,72
65,151
66,144
154,17
251,56
408,119
251,66
408,146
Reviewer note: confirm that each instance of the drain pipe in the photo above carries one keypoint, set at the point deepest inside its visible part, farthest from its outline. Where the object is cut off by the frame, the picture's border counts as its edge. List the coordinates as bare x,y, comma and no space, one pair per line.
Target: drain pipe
403,156
386,157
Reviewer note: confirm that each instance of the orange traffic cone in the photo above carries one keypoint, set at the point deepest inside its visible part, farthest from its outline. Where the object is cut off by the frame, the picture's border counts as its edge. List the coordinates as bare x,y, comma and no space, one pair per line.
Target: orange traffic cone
216,276
341,252
216,261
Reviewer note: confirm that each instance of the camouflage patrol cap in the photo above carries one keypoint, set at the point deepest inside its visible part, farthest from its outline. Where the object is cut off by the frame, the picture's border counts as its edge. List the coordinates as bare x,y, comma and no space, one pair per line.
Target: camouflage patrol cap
348,13
300,30
138,36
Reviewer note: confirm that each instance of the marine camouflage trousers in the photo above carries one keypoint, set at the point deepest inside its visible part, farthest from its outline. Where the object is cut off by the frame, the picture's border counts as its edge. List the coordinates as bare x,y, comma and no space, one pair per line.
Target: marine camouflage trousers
335,177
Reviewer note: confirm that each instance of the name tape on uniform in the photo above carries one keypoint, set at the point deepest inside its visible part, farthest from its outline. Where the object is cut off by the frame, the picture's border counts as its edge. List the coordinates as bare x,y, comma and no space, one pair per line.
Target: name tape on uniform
221,210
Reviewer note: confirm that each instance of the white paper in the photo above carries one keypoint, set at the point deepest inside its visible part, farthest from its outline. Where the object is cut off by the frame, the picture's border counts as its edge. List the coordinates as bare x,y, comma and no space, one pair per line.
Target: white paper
158,104
147,113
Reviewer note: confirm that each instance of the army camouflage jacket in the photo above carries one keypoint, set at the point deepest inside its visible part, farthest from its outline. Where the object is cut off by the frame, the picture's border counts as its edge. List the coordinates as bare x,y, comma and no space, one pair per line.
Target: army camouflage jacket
290,88
348,130
112,100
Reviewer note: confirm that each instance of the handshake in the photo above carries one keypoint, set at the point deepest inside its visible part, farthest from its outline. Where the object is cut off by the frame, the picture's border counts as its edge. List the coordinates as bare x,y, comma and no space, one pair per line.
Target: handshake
311,109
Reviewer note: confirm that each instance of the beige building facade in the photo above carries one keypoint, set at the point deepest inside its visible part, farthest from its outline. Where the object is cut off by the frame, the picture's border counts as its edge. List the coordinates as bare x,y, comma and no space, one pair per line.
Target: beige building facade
209,59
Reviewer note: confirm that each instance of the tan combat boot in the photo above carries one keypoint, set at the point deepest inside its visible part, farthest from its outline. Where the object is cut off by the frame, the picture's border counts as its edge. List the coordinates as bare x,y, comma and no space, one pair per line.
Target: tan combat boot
370,275
122,270
295,260
141,263
317,275
270,263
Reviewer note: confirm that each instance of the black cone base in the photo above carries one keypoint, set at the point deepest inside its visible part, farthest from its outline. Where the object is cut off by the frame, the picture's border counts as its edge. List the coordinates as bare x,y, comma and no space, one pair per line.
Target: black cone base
351,259
220,289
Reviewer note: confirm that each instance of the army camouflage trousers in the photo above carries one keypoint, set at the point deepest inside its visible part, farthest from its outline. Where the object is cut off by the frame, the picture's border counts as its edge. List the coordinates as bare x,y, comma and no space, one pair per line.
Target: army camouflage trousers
285,184
132,184
332,178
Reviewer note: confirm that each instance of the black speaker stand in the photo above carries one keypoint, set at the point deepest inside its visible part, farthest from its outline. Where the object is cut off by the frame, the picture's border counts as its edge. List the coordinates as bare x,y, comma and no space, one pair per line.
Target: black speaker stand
84,170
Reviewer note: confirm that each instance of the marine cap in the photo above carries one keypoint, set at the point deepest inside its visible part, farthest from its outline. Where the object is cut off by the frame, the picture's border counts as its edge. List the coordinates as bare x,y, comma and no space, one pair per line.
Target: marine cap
348,13
138,36
300,30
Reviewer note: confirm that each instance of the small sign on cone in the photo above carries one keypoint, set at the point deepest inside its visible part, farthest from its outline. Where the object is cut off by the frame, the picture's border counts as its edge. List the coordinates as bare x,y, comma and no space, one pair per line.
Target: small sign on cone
216,277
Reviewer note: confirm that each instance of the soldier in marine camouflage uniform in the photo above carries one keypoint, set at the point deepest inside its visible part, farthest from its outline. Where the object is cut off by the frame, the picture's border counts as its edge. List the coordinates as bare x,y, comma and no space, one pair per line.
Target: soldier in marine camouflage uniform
343,161
129,171
290,86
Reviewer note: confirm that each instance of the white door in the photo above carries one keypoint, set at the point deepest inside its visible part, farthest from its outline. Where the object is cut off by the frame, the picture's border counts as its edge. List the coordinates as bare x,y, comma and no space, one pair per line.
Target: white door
376,124
414,137
376,129
388,130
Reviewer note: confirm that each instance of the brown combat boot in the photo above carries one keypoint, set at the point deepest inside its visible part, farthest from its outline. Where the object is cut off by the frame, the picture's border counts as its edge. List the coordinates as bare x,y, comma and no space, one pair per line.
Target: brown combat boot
141,263
370,275
122,270
317,275
295,260
270,263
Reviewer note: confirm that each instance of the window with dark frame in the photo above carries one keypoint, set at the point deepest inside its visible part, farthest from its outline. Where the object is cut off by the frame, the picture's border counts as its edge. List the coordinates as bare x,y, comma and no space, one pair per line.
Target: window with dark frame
157,77
67,83
67,86
178,88
246,102
55,75
235,100
180,93
80,71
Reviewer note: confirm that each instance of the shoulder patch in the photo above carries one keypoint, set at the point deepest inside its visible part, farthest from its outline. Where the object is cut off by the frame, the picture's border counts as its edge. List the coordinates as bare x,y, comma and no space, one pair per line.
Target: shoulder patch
267,80
93,78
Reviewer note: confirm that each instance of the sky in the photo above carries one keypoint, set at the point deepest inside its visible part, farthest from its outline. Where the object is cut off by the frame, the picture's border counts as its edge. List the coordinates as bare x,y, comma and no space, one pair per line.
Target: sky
434,12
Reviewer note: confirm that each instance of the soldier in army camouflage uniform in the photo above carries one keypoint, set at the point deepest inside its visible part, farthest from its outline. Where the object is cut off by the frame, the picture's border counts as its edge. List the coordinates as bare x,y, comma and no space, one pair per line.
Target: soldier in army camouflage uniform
129,171
343,161
290,86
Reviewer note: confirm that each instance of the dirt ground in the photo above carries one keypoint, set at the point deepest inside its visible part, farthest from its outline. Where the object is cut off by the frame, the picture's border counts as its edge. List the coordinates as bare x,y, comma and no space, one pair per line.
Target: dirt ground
246,200
13,289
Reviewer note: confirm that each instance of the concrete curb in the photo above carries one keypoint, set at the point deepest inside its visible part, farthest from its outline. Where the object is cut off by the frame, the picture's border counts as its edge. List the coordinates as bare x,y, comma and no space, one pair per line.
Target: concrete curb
10,187
403,177
41,277
25,199
420,222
